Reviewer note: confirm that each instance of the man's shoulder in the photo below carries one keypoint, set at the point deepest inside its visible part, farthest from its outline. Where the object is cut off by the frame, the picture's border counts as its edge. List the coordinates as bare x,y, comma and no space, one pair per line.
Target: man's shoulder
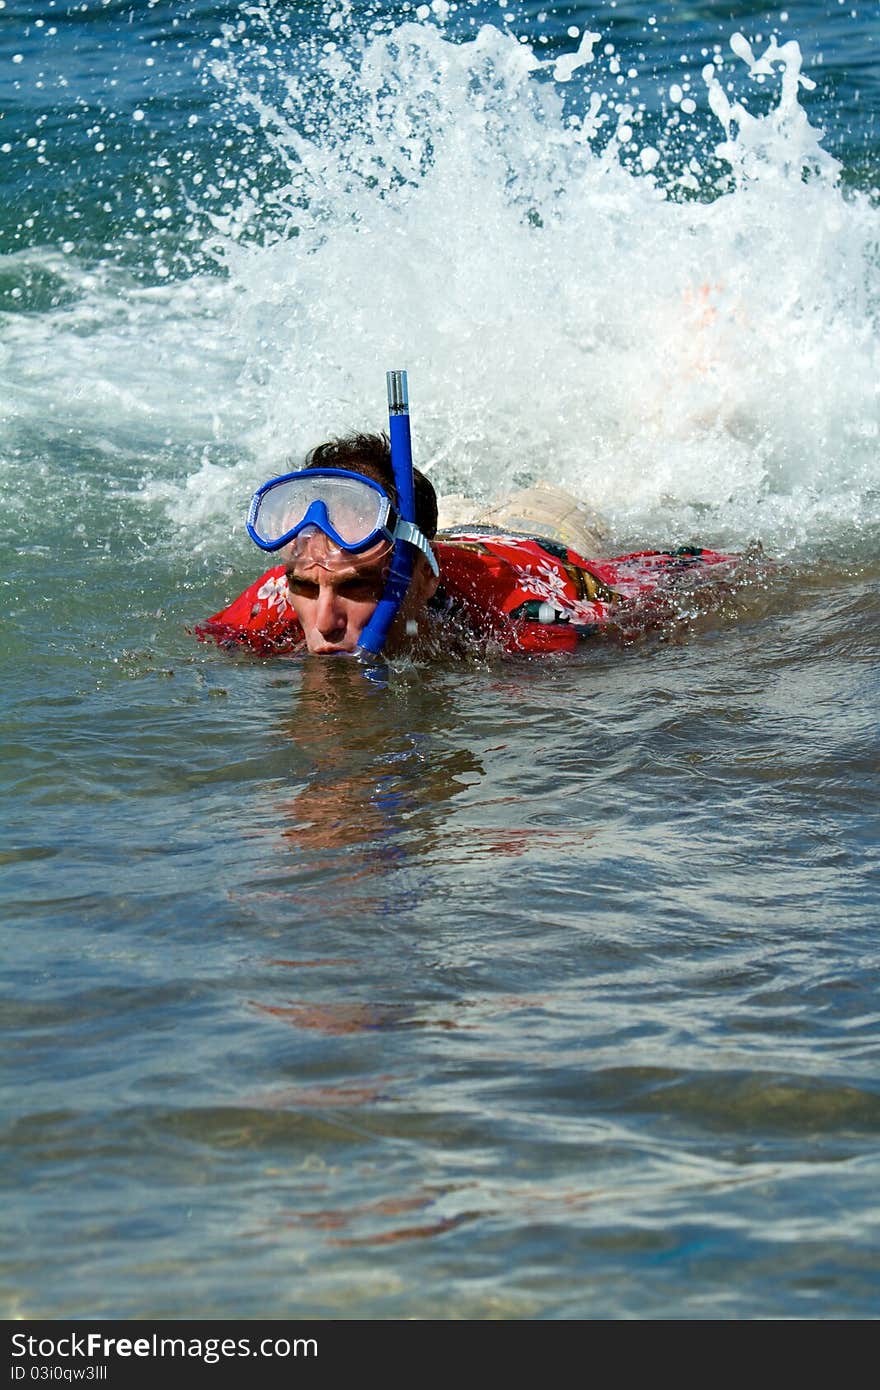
261,618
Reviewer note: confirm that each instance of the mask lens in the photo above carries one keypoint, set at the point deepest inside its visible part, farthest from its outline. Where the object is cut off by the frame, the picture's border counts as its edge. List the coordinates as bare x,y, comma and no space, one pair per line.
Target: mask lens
279,509
355,511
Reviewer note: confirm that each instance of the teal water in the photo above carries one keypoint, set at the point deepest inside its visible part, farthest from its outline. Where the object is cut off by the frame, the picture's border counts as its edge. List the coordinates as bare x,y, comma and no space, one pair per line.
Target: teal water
522,989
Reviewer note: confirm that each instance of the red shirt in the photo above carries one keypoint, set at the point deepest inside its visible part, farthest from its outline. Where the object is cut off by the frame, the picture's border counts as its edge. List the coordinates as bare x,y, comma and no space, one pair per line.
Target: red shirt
529,595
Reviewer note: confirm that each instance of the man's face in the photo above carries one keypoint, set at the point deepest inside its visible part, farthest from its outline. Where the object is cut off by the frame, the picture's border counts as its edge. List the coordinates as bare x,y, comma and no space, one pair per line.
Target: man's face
334,602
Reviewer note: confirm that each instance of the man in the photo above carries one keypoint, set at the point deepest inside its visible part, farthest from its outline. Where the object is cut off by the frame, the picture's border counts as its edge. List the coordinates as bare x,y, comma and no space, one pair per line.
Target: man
334,594
523,585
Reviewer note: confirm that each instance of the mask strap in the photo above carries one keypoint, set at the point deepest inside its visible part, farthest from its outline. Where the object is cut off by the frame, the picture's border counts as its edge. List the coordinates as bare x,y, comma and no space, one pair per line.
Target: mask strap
407,532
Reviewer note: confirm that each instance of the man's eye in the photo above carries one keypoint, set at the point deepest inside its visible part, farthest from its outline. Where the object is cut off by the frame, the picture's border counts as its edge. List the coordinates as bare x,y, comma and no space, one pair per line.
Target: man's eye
302,588
365,589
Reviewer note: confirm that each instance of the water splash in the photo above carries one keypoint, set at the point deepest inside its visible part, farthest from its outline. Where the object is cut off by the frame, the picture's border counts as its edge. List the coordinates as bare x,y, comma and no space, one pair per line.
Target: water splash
681,329
564,307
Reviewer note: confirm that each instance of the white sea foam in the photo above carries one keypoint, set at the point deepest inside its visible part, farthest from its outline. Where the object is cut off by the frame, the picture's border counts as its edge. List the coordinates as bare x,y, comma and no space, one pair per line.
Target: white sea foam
566,309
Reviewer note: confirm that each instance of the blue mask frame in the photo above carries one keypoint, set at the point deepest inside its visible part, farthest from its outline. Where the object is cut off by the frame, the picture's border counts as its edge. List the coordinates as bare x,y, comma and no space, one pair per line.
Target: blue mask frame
316,513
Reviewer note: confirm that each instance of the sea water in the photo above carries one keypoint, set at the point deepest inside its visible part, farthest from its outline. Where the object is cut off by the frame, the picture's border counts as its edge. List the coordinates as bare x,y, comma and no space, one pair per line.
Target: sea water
504,988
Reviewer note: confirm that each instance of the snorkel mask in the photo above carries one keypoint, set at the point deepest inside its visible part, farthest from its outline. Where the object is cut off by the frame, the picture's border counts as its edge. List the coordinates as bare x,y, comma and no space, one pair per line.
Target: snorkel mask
338,515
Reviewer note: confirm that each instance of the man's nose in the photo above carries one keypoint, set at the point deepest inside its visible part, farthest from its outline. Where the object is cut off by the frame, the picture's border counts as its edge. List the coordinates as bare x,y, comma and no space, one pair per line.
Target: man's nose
329,614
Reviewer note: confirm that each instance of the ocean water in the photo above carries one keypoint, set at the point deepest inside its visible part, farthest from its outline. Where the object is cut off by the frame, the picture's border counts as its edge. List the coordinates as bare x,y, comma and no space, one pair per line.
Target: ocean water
505,988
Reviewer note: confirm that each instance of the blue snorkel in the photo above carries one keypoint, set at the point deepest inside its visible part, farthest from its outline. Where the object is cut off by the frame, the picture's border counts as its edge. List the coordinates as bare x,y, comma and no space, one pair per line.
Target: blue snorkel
375,633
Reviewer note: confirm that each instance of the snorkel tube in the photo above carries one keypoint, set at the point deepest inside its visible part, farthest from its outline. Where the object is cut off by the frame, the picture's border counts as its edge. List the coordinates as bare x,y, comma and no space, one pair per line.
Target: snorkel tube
375,633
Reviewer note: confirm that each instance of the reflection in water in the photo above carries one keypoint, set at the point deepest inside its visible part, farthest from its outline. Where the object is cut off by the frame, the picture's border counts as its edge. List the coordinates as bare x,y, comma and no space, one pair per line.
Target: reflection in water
362,830
380,773
346,1017
374,1222
434,1228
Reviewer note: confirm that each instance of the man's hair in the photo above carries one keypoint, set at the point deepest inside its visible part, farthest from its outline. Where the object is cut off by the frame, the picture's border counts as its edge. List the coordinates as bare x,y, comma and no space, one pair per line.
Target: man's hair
370,454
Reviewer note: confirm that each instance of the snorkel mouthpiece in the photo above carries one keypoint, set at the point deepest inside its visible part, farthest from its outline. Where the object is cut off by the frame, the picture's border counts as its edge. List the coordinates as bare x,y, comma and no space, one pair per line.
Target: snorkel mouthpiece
375,633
